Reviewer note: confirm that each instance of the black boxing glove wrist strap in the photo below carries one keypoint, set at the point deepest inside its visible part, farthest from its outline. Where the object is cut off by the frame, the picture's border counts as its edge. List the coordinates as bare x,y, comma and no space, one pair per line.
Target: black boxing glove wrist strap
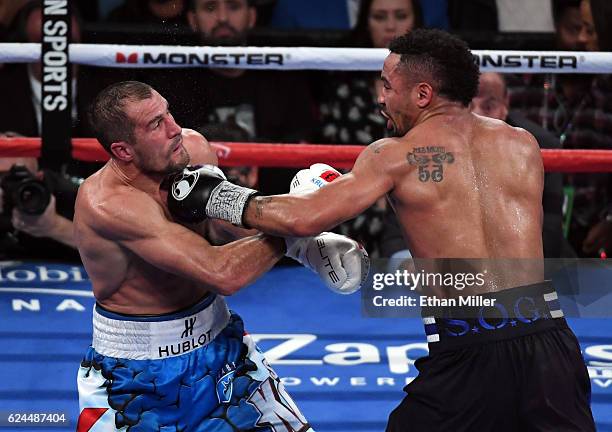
227,201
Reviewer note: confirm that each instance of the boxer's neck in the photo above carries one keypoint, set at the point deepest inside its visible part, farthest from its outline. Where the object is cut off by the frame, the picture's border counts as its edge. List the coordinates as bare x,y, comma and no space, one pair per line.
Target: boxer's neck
442,108
129,174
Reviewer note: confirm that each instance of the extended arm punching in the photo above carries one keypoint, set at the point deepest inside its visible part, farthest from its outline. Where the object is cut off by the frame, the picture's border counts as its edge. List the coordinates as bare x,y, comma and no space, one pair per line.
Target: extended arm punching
197,195
200,193
309,214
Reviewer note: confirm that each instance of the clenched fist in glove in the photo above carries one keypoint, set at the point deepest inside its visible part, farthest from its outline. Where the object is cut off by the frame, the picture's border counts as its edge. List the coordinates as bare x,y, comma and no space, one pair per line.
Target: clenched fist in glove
313,178
341,262
203,191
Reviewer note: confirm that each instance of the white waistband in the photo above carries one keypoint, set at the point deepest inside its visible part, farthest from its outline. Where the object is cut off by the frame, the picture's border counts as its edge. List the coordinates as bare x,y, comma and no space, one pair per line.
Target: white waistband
143,340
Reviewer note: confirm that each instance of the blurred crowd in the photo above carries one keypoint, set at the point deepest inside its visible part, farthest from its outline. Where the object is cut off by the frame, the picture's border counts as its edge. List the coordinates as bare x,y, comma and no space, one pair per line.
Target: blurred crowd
571,111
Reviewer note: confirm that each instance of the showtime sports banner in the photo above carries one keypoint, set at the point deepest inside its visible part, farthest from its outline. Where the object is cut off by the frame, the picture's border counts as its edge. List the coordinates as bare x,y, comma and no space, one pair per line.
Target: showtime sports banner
345,371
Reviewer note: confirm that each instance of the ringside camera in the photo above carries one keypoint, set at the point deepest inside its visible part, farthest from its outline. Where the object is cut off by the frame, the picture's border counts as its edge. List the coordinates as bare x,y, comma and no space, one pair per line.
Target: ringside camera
22,190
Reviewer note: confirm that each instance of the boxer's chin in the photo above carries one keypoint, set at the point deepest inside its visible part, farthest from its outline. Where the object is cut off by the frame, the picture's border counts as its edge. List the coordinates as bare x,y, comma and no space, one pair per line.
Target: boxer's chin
177,164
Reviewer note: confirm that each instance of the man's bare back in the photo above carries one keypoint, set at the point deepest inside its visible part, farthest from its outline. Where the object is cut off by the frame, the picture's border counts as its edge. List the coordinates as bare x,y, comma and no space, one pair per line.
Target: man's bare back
463,186
457,195
456,192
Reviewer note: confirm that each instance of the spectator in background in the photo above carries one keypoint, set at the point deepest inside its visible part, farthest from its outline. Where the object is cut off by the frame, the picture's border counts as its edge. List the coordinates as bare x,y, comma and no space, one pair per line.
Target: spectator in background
380,21
492,101
20,84
568,24
273,106
577,109
596,35
349,111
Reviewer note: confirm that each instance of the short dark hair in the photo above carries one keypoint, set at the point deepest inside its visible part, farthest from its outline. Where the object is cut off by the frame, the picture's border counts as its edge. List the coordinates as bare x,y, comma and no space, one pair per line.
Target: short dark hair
442,58
560,6
107,114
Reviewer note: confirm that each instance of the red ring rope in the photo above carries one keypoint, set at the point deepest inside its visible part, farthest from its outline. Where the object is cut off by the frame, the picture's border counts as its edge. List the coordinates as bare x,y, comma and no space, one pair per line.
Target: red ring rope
301,155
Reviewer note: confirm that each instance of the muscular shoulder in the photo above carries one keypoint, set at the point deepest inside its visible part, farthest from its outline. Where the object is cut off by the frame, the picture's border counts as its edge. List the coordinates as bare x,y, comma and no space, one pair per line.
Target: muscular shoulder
122,213
524,142
378,154
379,161
386,149
517,139
519,148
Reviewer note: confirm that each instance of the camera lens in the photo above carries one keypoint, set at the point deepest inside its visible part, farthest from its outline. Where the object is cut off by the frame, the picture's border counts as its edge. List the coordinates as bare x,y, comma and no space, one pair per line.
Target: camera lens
32,197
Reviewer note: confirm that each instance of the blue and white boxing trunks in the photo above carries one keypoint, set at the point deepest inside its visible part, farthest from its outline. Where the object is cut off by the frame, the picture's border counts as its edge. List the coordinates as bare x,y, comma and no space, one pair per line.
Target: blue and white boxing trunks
194,370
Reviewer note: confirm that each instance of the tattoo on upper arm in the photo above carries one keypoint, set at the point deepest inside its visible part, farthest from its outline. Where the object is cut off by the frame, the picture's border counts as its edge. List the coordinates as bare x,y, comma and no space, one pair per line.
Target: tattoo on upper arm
259,206
430,162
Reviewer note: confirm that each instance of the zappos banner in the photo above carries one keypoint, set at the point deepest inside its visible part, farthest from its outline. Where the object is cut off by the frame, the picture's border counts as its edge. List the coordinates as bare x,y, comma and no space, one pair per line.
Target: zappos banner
346,371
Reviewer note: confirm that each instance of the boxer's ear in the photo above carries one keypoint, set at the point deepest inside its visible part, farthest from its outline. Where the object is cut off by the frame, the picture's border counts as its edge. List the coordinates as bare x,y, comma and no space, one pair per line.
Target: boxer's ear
122,151
424,94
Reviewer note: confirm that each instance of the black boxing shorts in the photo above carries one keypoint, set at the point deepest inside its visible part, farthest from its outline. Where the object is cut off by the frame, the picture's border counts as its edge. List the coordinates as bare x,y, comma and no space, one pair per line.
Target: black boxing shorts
513,366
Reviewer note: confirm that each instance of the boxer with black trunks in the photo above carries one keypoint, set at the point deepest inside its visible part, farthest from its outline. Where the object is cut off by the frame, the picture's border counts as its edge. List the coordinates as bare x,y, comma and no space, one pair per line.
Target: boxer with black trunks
463,187
167,354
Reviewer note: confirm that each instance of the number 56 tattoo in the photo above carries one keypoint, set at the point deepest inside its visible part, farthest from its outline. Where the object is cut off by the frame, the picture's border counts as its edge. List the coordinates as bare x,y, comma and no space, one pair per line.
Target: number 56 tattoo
430,162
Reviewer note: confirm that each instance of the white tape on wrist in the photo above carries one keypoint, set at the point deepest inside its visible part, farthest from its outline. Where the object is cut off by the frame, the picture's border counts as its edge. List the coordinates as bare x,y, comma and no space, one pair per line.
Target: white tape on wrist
227,202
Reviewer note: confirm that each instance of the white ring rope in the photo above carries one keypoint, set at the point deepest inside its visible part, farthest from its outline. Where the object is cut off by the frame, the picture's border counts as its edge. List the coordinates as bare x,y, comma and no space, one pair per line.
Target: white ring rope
366,59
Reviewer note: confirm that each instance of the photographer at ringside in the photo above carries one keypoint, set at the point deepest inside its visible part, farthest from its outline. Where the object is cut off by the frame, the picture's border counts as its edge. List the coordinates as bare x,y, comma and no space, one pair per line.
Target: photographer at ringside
36,211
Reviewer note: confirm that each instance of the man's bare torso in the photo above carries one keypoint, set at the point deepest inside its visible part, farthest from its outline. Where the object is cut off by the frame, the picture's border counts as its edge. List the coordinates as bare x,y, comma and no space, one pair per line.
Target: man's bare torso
470,187
122,281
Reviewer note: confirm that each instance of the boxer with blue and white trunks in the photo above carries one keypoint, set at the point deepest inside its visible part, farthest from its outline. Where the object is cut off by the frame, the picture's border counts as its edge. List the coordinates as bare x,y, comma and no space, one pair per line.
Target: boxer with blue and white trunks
167,355
192,370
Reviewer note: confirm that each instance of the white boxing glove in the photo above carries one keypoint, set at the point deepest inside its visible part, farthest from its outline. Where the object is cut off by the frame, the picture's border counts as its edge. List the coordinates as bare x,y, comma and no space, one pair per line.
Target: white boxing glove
313,178
342,263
